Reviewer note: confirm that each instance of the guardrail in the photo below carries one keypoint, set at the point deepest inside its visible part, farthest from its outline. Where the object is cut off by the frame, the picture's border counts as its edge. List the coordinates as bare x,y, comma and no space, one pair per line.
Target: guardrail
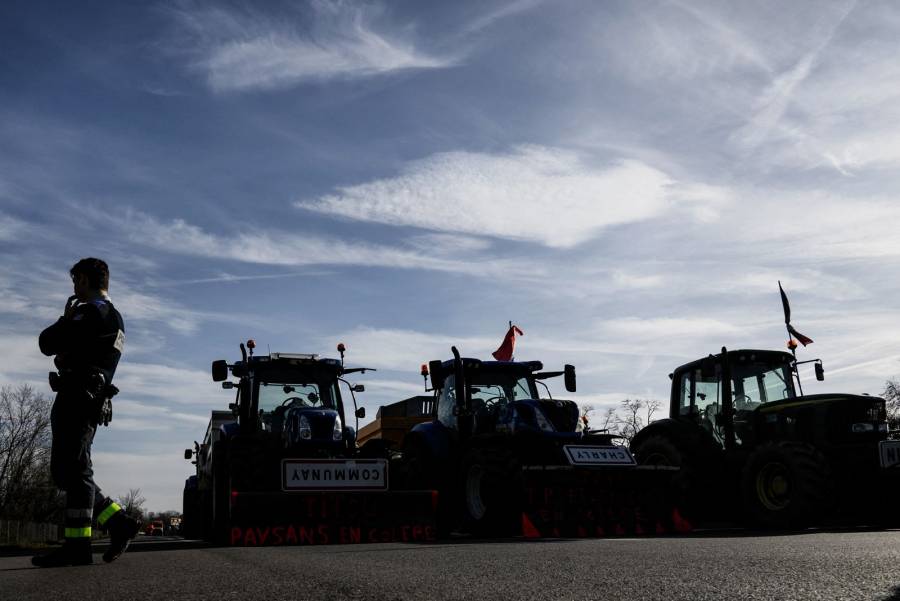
16,532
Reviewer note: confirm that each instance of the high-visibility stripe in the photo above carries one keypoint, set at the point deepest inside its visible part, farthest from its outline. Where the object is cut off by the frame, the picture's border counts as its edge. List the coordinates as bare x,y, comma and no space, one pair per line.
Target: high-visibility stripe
78,532
107,513
79,513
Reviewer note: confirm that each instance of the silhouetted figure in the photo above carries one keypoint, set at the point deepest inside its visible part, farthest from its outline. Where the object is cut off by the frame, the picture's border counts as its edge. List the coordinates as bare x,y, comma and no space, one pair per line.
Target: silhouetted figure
87,341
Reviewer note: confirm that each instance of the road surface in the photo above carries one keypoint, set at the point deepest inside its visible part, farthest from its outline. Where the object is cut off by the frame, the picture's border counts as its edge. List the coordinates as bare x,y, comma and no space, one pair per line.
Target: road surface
713,565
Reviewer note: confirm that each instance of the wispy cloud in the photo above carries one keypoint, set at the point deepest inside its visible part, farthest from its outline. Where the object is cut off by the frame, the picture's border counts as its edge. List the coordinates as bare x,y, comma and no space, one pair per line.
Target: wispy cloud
775,99
11,228
248,50
504,11
513,195
677,41
298,249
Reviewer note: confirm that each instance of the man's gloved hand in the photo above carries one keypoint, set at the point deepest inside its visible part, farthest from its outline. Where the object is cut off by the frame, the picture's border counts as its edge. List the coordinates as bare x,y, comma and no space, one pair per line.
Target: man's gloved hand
106,412
70,307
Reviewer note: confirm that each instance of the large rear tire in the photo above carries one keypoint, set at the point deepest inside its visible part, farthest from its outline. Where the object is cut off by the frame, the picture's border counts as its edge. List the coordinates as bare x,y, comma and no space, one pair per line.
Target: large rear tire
690,487
221,495
786,485
658,450
492,492
421,471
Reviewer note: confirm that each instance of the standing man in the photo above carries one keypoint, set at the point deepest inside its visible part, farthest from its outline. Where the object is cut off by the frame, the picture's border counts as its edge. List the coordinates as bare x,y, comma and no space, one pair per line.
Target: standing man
87,341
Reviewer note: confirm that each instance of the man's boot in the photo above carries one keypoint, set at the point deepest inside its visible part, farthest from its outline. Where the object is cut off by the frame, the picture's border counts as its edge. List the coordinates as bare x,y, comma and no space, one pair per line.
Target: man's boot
122,528
74,552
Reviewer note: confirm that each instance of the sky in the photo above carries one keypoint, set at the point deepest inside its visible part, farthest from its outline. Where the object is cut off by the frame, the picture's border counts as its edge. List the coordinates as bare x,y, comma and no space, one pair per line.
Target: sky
626,181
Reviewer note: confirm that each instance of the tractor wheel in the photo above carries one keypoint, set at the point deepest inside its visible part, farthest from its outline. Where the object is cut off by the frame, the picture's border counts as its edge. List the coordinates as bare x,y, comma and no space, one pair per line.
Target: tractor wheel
689,486
786,485
658,450
190,525
420,471
492,492
221,497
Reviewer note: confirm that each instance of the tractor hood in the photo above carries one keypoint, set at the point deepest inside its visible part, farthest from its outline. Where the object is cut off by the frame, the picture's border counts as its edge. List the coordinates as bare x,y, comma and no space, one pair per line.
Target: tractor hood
850,401
840,418
562,415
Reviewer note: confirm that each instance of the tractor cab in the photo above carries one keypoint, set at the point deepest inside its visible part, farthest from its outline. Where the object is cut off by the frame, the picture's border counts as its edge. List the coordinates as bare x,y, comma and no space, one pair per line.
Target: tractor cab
720,393
475,397
292,397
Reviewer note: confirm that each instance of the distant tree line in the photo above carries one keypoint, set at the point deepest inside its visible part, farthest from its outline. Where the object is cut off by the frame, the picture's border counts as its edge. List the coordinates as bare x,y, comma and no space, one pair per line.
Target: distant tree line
27,491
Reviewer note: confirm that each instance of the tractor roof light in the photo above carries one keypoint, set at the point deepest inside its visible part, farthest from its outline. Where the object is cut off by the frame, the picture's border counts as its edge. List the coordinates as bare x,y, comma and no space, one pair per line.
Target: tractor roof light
792,344
301,356
424,370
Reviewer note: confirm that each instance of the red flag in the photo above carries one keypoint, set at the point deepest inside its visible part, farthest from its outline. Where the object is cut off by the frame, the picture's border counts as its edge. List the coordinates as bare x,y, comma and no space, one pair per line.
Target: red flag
804,340
508,346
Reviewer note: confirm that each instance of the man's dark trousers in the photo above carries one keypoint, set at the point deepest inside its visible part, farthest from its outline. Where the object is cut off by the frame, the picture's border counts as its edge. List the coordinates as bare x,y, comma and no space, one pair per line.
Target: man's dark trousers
70,464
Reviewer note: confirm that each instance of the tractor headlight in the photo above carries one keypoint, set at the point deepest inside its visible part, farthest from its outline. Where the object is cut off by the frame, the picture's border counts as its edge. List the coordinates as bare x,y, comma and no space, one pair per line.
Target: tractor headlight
542,421
305,430
338,432
862,427
883,427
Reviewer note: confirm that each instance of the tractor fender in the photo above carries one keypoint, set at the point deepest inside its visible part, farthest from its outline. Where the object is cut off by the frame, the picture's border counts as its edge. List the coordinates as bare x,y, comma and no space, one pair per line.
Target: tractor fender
687,437
434,436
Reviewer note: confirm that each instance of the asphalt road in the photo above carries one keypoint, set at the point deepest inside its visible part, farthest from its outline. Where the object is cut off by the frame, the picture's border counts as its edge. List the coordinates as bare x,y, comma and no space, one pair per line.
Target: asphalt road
717,565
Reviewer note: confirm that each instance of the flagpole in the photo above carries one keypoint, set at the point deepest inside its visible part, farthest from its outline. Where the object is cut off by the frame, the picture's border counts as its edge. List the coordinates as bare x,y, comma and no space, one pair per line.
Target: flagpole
791,344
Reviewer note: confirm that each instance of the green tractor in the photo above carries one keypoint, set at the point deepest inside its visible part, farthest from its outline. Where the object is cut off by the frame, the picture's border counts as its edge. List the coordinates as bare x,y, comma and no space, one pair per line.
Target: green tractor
752,446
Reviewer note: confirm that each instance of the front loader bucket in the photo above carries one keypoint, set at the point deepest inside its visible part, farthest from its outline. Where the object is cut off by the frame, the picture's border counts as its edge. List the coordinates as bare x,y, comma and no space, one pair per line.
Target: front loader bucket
627,501
323,518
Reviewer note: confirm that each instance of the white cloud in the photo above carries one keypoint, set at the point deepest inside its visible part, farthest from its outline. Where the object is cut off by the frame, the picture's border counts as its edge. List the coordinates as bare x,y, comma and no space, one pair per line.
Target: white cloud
11,229
160,476
505,11
644,330
405,350
299,249
679,41
245,50
169,386
546,195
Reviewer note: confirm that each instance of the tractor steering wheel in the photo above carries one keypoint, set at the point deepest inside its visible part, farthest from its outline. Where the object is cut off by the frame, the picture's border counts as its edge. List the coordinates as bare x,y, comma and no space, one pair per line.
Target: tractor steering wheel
291,400
741,400
493,401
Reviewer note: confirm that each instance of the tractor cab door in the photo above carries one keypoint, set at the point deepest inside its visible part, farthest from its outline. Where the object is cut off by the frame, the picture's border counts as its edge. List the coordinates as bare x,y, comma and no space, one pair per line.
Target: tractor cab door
700,401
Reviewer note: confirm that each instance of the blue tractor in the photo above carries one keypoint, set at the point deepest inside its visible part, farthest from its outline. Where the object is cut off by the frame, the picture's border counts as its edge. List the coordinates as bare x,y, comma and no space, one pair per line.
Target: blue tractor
493,445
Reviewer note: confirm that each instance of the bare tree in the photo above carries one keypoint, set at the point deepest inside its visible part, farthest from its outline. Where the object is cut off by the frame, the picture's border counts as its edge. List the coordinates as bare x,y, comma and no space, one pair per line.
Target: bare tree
133,502
652,406
630,423
26,490
892,396
610,420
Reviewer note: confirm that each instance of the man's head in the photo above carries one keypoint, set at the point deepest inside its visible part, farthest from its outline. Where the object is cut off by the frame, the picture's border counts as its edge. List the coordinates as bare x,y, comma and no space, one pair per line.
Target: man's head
89,277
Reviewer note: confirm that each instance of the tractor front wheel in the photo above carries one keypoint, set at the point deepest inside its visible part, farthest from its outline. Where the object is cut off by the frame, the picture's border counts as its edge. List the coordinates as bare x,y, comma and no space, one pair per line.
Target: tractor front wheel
492,492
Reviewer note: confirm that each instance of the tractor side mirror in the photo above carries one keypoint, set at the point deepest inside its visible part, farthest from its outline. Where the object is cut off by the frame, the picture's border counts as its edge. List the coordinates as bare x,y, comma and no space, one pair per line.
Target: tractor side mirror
569,377
437,374
188,453
361,412
219,370
820,372
359,388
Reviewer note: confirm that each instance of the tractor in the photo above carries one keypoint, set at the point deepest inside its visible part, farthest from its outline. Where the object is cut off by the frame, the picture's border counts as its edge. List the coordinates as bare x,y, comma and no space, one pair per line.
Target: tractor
751,446
283,467
505,461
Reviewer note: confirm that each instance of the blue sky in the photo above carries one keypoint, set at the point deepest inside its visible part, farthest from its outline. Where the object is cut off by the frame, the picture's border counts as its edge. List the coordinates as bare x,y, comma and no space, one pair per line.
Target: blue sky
626,181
